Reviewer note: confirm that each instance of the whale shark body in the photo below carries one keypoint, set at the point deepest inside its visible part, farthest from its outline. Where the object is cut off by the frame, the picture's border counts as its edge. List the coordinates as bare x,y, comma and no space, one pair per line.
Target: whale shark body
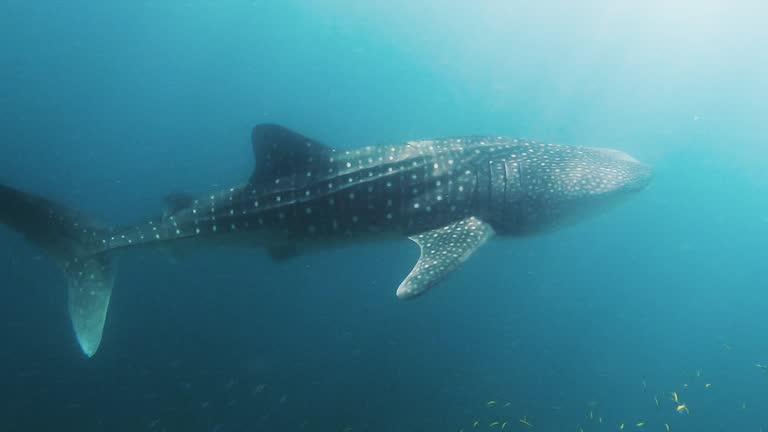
448,195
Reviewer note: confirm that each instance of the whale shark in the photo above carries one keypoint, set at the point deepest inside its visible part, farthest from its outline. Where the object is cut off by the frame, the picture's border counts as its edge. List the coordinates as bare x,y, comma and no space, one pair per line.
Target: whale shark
448,195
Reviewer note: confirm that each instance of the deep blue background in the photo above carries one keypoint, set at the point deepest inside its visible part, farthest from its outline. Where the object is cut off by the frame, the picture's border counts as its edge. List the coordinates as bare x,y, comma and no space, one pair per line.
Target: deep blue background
108,106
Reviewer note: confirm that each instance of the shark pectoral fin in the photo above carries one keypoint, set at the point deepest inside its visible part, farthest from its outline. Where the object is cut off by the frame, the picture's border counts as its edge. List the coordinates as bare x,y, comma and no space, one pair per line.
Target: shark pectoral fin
442,251
89,285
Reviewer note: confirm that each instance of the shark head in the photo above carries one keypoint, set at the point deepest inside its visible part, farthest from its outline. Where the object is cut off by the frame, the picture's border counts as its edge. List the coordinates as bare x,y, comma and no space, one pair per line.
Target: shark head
559,185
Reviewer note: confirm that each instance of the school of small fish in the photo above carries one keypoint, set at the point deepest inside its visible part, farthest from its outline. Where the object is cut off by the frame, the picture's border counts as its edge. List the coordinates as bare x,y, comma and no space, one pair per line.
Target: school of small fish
670,406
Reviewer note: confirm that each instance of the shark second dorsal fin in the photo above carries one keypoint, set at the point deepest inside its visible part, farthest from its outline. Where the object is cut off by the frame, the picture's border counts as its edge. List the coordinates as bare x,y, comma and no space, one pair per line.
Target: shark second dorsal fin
442,251
280,152
176,202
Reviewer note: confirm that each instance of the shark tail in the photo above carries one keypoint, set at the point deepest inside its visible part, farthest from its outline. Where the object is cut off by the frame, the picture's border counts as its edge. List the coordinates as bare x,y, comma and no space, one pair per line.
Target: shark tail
79,246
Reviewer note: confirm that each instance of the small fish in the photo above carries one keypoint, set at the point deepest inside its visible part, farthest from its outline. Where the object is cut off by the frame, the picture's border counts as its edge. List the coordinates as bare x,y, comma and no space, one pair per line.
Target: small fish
621,427
503,425
666,426
491,403
761,366
581,429
508,404
525,421
685,386
599,419
698,373
475,424
640,424
707,385
493,424
674,397
682,409
591,415
656,399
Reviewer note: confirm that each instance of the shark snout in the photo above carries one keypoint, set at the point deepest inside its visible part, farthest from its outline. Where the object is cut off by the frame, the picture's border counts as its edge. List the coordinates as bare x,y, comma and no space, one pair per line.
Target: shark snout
633,175
639,174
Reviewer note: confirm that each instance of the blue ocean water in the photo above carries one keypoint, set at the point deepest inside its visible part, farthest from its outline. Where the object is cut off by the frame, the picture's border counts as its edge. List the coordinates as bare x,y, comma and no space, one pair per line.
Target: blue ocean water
109,106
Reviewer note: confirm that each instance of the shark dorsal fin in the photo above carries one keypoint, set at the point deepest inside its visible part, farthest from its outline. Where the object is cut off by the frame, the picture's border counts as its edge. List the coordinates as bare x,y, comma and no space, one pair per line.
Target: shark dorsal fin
280,152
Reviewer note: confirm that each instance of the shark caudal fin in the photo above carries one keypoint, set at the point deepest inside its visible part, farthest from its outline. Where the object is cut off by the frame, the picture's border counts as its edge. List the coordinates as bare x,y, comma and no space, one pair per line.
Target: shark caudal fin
78,246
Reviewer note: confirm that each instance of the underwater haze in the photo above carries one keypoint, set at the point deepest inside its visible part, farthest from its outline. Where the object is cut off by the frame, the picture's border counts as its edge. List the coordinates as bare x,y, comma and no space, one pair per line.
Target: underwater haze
650,317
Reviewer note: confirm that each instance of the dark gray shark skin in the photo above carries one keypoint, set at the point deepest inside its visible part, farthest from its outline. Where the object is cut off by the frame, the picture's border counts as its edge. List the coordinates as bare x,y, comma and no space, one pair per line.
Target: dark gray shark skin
447,195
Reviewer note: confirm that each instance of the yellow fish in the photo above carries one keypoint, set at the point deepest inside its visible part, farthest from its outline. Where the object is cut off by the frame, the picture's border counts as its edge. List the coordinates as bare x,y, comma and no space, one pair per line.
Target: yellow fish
674,397
682,409
525,421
